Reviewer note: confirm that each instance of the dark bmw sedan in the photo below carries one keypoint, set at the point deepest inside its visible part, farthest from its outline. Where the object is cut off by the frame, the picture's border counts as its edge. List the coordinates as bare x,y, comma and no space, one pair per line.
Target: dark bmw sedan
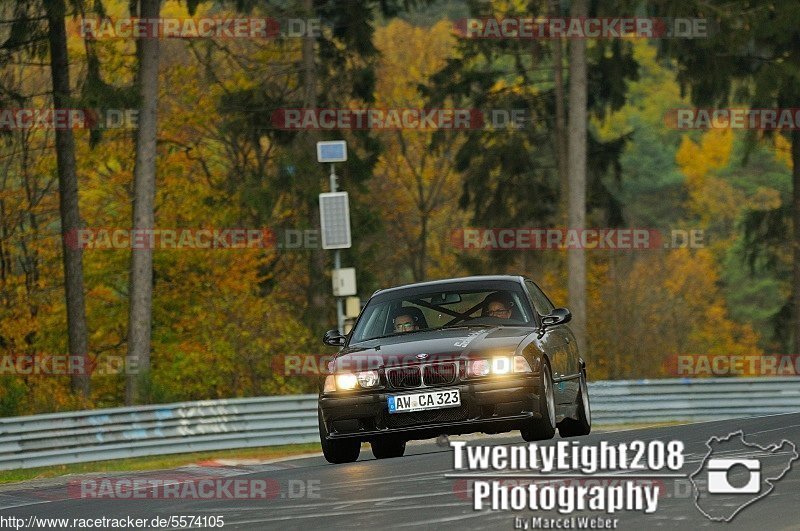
479,354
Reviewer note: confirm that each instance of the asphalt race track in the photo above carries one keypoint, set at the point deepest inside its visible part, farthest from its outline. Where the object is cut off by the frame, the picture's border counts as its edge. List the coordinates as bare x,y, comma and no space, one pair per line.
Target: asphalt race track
413,492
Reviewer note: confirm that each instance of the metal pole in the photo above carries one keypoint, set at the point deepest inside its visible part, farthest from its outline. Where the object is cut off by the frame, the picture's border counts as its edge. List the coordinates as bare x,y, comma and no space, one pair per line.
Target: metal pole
337,261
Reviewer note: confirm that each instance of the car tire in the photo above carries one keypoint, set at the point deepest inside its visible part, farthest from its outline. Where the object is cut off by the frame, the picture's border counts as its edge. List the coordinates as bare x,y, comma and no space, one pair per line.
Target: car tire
341,451
387,447
583,424
544,427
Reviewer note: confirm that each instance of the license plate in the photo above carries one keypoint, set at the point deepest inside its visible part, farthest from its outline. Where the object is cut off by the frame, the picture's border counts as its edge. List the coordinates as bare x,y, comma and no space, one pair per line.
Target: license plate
423,401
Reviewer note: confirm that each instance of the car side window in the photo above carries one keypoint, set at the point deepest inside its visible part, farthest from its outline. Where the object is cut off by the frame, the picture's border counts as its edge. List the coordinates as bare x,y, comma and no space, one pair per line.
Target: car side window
540,300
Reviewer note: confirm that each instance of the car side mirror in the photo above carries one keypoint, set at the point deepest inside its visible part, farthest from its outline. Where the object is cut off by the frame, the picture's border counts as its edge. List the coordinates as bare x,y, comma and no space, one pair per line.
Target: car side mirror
556,317
334,338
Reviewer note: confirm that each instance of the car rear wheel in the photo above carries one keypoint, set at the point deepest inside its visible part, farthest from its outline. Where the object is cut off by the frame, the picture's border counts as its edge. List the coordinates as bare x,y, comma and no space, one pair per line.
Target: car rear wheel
387,447
583,424
341,451
545,426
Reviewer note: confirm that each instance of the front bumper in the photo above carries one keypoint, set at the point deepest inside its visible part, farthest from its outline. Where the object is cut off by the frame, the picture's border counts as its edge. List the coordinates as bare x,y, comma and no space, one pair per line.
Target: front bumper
490,406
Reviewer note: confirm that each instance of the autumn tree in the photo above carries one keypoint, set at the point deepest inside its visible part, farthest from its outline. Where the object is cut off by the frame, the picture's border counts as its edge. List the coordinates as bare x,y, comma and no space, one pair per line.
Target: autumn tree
520,74
752,56
414,185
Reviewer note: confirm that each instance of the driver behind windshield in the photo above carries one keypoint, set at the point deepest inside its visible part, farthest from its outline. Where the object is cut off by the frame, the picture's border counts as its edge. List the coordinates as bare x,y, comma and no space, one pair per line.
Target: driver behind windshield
405,322
498,304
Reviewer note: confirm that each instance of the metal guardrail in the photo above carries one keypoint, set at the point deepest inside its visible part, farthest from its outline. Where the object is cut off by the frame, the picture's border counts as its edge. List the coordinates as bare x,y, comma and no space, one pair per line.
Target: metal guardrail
105,434
692,400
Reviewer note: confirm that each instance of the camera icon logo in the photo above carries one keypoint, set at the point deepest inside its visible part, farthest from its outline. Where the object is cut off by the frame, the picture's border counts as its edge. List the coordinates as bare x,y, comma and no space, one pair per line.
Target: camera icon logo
736,473
718,482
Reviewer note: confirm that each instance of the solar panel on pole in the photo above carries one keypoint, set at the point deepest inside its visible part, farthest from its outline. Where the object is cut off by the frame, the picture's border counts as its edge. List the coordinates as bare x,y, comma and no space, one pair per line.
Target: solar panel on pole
334,209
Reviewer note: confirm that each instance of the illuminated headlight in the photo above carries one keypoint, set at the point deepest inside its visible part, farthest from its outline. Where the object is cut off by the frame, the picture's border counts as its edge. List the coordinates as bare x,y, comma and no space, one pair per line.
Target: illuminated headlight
478,367
498,365
521,364
346,381
367,378
501,365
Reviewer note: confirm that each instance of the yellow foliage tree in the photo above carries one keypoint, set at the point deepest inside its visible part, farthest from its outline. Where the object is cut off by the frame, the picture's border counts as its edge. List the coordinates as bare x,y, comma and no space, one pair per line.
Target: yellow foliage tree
415,188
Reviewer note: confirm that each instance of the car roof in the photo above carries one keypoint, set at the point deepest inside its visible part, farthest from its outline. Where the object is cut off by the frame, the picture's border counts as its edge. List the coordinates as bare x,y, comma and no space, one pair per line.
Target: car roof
434,283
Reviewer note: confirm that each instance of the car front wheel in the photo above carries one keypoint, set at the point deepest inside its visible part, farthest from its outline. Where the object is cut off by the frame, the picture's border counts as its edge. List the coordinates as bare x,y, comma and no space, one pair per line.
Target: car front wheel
341,451
545,426
387,447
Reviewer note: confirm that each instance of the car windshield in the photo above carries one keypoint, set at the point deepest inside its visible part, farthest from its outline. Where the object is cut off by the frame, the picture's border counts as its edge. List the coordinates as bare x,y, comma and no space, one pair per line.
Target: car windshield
451,305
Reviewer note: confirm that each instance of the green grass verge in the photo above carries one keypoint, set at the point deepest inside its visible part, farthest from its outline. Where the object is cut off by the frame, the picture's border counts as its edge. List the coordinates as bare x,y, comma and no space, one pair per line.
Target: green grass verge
608,428
156,462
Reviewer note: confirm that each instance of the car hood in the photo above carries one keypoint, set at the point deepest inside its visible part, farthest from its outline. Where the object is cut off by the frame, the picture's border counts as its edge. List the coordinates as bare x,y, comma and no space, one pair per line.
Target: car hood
437,345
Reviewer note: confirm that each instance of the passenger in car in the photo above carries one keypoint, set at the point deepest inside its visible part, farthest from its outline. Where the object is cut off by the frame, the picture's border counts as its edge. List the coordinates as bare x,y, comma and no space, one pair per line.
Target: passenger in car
498,304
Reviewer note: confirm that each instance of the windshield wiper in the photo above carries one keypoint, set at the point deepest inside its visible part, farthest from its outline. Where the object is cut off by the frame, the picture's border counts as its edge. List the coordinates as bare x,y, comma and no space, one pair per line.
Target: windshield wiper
398,334
476,325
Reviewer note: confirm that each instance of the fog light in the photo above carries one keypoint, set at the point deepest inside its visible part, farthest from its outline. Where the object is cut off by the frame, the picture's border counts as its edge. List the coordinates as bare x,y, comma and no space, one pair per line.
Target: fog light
346,381
501,365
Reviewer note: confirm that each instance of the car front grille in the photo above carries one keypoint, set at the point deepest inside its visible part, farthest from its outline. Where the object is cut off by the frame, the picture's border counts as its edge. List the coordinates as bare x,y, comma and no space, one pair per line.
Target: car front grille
404,377
440,373
422,375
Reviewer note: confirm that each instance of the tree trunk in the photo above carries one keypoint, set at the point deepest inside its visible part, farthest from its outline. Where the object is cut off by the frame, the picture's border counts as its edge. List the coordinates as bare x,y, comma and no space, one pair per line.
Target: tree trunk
560,119
144,175
576,258
796,239
318,284
422,257
309,67
68,200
